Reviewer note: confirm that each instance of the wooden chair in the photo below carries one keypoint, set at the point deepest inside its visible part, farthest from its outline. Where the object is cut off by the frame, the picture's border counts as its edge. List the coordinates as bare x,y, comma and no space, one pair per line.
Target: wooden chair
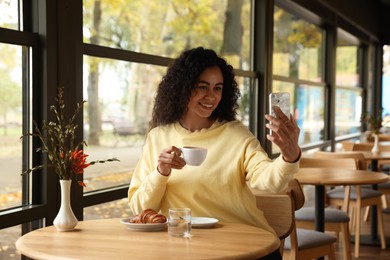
383,165
362,147
359,197
279,212
384,137
306,243
384,188
347,145
368,147
335,220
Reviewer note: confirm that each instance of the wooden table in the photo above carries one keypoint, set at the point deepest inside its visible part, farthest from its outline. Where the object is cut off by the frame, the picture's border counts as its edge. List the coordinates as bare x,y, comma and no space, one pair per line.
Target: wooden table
374,157
334,177
109,239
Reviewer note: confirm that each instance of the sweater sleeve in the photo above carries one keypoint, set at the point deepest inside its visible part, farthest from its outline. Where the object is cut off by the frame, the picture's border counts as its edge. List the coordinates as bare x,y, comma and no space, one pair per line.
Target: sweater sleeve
147,186
265,174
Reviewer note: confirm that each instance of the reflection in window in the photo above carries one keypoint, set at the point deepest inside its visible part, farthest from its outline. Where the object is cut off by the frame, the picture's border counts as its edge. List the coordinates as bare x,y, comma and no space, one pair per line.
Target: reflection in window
297,47
10,125
165,28
348,85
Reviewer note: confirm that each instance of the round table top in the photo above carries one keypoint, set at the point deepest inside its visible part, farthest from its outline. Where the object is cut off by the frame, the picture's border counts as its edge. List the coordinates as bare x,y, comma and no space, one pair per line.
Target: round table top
109,239
330,176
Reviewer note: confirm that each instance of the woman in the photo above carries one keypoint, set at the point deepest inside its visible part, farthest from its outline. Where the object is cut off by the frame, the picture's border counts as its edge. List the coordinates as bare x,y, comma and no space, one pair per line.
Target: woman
196,105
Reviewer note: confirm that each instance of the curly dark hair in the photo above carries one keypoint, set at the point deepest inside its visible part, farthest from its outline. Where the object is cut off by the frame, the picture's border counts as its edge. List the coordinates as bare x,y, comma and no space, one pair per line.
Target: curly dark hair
175,88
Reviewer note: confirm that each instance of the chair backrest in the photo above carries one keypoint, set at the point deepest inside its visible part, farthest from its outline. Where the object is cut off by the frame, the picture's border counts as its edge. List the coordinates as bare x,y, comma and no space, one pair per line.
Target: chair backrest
279,212
368,147
362,147
344,163
347,145
294,188
384,137
279,208
359,158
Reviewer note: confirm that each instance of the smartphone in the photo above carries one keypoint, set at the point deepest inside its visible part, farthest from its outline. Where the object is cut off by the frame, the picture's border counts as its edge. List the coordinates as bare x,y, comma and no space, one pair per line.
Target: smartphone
282,100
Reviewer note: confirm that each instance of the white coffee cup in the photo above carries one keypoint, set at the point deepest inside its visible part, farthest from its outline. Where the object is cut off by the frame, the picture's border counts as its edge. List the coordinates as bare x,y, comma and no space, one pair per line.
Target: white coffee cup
194,155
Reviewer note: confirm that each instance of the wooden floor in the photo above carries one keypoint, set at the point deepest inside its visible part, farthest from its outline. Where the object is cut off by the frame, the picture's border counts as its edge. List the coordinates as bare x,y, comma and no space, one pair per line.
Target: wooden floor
368,252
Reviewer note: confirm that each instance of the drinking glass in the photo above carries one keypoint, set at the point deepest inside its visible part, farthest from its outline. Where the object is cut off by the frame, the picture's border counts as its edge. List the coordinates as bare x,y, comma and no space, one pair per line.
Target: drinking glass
179,222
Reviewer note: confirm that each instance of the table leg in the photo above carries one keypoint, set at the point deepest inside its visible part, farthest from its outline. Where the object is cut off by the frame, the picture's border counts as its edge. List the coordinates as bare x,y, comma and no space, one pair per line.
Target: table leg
320,208
374,212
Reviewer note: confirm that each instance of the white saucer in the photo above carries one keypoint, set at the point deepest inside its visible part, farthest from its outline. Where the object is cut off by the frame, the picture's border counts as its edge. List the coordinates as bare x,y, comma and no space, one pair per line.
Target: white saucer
203,222
143,227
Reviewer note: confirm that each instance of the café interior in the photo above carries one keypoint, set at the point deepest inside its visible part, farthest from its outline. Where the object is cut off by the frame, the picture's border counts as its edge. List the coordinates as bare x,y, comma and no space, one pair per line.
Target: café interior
331,56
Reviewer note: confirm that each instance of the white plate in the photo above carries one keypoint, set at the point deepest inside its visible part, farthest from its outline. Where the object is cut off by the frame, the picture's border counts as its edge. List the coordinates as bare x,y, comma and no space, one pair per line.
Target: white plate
203,222
143,227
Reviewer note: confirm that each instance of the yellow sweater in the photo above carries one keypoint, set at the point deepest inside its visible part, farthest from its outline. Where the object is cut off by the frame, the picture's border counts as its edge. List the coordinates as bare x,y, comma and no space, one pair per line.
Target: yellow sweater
218,188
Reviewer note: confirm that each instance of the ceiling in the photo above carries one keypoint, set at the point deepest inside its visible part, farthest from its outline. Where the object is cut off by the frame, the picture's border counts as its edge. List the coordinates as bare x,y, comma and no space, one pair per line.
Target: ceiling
384,2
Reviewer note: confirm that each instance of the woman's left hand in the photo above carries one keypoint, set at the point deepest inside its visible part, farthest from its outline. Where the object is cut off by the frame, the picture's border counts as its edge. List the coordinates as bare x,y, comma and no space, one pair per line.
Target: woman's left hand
285,134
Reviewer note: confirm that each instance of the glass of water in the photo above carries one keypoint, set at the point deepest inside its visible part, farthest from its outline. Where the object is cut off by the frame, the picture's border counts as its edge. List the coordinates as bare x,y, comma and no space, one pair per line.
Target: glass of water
179,222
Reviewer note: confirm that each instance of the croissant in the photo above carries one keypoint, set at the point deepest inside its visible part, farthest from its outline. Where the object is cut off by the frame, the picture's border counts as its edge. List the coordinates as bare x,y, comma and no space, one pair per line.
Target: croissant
157,218
136,219
148,216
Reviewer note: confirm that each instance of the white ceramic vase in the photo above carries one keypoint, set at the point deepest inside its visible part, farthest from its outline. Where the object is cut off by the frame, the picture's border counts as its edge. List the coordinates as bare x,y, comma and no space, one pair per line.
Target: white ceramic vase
375,148
65,219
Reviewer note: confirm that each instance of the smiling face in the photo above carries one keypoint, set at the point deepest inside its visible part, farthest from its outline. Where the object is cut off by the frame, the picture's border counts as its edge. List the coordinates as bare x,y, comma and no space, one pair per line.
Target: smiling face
205,98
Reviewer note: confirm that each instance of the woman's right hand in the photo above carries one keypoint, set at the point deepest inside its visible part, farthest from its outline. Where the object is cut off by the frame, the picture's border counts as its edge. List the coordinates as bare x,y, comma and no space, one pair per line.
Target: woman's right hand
170,159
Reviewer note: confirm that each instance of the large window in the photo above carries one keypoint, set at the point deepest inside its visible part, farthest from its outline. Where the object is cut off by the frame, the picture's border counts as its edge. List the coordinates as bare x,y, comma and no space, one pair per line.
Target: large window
298,68
119,89
116,120
386,88
165,28
348,85
11,124
15,75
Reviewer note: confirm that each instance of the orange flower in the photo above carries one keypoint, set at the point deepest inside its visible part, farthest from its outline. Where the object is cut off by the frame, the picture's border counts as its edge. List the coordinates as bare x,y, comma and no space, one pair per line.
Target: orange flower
78,158
79,161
